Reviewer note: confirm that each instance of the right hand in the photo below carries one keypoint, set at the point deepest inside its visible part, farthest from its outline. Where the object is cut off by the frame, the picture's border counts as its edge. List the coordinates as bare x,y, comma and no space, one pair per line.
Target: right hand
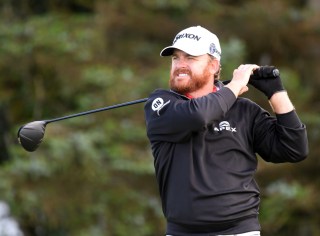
241,76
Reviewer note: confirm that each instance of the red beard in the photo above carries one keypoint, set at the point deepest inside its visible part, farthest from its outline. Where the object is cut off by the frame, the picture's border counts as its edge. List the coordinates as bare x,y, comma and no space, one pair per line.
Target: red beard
195,82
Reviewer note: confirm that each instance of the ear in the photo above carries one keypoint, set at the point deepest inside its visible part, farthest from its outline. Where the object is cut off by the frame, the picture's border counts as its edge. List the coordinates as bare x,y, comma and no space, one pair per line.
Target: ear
214,65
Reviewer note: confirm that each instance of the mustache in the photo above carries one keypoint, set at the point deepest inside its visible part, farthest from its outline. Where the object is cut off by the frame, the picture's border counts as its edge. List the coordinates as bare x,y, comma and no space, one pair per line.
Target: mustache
182,71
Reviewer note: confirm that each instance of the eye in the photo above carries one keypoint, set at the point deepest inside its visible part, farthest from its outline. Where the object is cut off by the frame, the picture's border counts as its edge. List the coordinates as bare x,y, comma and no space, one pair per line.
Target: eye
191,57
174,57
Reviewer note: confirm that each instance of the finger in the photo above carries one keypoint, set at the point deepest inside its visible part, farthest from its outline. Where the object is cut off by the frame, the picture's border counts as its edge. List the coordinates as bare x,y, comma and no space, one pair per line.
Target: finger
245,71
248,67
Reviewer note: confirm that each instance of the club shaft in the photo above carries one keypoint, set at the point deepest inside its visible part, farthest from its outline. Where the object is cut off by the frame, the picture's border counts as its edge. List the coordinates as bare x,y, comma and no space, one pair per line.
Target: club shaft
98,110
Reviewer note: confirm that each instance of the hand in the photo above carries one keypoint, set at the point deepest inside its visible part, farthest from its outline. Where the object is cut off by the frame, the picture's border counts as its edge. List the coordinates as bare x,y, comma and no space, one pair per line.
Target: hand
265,84
240,79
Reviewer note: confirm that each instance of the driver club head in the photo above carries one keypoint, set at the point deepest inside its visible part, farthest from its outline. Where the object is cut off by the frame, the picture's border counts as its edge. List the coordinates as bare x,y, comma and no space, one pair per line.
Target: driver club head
31,135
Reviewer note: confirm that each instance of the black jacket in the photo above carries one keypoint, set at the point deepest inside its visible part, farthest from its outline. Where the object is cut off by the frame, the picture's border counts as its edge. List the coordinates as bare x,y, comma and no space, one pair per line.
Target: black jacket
205,157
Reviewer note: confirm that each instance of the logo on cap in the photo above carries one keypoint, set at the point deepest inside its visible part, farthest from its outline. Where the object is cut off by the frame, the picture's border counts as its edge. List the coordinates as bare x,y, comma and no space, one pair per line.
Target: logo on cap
186,35
213,49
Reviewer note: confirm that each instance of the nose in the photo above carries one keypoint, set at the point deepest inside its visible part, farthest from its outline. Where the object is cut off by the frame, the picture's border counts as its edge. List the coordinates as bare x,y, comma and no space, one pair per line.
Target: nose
180,62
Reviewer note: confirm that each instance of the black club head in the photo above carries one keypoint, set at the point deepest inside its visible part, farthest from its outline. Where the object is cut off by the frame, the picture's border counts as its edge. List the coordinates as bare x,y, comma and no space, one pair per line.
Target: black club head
31,135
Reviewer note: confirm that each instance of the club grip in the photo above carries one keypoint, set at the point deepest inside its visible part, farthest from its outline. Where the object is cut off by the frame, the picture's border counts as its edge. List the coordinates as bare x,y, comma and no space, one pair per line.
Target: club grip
261,72
265,72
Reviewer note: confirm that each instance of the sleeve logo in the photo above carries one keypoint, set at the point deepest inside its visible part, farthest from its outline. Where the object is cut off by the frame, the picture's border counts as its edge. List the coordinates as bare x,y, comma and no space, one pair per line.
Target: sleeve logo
158,104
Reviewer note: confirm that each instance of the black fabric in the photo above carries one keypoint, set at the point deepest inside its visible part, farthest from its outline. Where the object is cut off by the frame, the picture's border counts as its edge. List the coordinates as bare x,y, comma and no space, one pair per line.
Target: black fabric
226,227
289,119
265,83
205,155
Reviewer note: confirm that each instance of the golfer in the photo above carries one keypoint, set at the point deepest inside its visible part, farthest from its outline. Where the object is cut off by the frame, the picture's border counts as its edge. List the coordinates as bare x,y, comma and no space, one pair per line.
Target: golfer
205,139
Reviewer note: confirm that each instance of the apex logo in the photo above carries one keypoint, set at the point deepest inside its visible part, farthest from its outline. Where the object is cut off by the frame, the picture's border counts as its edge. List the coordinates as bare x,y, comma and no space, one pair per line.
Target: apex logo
225,125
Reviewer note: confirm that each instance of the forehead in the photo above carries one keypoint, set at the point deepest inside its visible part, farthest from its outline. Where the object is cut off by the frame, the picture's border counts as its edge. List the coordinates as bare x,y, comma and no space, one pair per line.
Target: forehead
178,52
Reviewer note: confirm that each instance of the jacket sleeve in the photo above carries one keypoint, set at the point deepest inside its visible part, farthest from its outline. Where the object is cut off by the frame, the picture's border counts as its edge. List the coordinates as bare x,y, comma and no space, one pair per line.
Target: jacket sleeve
281,139
171,117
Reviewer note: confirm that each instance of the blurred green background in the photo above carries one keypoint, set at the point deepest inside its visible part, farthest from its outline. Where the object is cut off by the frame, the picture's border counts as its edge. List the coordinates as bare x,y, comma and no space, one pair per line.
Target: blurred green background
93,175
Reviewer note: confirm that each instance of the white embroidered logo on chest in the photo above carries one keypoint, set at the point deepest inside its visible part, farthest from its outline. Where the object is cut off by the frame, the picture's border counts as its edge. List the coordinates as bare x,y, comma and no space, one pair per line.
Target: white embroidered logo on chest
225,125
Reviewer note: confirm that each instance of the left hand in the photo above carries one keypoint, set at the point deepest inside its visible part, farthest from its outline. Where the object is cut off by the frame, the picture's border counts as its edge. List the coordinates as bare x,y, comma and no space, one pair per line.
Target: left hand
267,85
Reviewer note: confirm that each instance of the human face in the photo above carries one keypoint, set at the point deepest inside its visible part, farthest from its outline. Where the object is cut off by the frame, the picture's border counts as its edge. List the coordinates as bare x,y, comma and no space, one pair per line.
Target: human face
190,73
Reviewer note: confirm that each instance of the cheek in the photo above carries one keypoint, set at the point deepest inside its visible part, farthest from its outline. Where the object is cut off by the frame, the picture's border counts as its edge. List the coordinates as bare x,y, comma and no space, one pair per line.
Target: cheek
197,69
173,68
171,72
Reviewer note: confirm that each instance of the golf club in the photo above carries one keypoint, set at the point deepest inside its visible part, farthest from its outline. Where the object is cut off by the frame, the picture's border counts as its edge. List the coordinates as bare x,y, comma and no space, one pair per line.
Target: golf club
31,135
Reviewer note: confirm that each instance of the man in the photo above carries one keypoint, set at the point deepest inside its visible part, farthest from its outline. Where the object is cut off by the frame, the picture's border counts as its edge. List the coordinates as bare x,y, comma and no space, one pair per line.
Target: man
205,138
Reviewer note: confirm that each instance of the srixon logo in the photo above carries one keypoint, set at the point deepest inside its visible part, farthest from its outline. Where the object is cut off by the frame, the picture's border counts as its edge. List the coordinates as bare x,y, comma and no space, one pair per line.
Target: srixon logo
186,35
158,104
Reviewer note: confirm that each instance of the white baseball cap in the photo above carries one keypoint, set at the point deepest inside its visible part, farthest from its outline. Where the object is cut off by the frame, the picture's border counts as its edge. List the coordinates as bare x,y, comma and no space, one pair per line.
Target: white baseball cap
195,41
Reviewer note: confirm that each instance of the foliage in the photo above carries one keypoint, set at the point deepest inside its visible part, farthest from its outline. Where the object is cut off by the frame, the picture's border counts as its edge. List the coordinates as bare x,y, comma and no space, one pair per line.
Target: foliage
93,175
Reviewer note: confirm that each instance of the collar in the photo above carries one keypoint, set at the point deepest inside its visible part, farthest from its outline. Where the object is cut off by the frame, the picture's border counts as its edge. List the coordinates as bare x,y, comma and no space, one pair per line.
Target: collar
215,89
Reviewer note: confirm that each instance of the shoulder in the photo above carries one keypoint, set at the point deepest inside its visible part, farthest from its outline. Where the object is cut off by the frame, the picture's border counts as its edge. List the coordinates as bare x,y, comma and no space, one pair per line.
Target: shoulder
160,96
165,93
248,106
246,102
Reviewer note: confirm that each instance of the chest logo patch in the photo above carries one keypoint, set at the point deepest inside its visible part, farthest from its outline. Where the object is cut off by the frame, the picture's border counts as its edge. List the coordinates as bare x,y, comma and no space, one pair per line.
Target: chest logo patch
225,125
158,104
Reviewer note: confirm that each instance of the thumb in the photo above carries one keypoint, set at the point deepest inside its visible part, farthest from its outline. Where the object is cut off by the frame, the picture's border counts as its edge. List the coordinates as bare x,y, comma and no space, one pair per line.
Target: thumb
243,90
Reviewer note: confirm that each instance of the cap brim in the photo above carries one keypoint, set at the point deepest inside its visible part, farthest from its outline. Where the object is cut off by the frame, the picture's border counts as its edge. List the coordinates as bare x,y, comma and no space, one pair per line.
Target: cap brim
167,51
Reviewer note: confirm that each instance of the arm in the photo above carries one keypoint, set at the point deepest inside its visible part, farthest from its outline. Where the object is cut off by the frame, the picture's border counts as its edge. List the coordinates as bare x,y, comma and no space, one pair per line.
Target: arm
281,103
179,116
284,139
